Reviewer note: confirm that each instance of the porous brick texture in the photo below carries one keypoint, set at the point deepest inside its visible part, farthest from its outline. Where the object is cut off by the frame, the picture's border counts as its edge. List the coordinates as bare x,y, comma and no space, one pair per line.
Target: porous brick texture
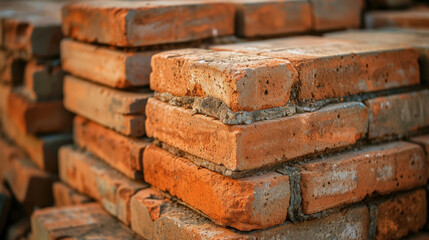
91,176
244,147
121,152
350,177
88,221
129,23
118,110
424,142
249,203
110,67
66,196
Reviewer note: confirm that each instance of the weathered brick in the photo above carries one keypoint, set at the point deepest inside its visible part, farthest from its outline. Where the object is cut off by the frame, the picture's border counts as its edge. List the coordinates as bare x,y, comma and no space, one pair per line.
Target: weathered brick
415,39
244,147
92,177
350,177
329,68
145,23
412,18
262,18
242,81
401,215
43,81
111,67
86,221
398,114
29,184
424,142
336,14
249,203
154,217
66,196
4,95
119,110
38,117
121,152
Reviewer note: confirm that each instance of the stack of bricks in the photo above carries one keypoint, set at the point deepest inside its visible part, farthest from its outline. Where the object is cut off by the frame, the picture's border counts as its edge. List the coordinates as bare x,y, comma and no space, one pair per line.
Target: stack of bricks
33,121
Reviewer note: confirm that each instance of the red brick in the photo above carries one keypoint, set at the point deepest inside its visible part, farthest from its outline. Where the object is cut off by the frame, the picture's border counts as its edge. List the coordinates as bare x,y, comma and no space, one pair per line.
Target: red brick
66,196
336,14
86,221
4,95
111,67
244,147
122,153
424,142
43,81
398,114
8,152
242,81
329,68
249,203
262,18
154,217
94,178
38,117
412,18
119,110
401,215
350,177
128,24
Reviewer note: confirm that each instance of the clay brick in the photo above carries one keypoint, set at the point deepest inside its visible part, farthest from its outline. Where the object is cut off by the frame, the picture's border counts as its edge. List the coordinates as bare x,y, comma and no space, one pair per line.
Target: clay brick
249,203
119,110
424,142
262,18
146,23
66,196
350,177
8,152
90,176
412,18
413,38
336,14
86,221
43,81
29,184
398,114
4,95
244,147
154,217
112,67
329,68
38,117
242,81
122,153
401,215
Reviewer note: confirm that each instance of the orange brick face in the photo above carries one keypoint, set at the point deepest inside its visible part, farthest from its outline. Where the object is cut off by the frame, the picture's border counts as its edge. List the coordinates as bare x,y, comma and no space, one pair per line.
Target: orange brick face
249,203
336,14
66,196
352,176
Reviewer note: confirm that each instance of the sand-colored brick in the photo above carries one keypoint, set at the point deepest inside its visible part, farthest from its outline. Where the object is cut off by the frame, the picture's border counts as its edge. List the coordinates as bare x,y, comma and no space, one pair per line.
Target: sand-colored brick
121,152
66,196
91,176
351,176
244,147
144,23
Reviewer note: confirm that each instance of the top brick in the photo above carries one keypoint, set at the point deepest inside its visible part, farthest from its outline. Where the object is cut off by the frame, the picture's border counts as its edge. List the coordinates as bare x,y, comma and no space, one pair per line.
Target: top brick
412,18
143,23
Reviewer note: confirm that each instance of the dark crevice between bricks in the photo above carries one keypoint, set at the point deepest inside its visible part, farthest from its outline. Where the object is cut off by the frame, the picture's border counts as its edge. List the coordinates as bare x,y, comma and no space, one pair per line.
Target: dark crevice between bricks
294,209
373,212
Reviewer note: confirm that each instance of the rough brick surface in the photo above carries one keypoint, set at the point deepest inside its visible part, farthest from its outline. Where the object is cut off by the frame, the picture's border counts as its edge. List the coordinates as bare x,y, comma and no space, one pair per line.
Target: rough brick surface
4,96
350,177
401,215
262,18
94,178
86,221
424,142
249,203
38,117
242,81
122,153
336,14
147,23
244,147
66,196
412,18
114,68
119,110
43,81
329,68
398,114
